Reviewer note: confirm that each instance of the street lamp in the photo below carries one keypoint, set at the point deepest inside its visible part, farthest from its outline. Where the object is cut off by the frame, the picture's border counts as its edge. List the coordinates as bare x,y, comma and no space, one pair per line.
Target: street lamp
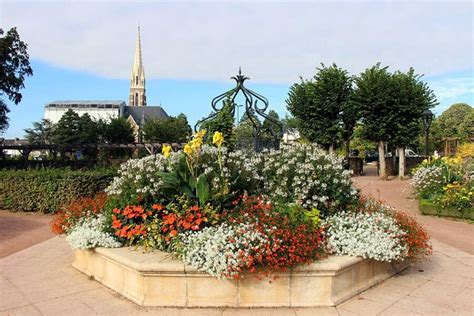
427,117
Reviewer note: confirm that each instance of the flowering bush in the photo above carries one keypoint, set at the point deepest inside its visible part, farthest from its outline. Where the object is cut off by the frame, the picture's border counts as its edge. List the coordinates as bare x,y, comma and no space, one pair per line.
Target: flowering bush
416,238
301,174
446,182
367,235
308,176
234,212
89,233
253,237
66,217
224,250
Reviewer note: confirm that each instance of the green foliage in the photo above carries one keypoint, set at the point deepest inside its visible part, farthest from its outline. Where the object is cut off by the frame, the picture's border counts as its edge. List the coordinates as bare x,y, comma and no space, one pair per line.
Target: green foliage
373,97
223,122
75,129
167,130
244,131
429,208
457,121
118,131
409,98
45,190
270,131
321,106
14,67
41,133
359,144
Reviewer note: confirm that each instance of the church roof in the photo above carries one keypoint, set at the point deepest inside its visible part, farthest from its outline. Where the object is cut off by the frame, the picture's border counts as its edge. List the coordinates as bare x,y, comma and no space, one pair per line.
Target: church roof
141,114
86,104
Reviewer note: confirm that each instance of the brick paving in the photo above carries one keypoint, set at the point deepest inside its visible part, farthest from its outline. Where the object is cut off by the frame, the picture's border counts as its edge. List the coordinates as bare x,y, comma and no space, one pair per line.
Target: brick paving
39,280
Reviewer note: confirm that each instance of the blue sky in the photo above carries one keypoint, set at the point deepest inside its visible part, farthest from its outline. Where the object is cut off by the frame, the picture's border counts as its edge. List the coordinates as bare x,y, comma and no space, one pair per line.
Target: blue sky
84,49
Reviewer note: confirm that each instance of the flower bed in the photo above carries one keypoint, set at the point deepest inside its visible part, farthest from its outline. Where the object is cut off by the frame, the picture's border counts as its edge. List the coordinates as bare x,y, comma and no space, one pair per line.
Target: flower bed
234,214
445,186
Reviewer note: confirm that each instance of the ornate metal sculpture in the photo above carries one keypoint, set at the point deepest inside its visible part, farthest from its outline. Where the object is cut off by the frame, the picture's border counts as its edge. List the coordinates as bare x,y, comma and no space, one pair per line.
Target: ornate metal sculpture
252,109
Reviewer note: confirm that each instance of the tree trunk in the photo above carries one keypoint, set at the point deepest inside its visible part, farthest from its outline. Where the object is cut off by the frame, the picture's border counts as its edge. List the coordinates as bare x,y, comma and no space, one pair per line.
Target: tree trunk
331,149
382,171
401,162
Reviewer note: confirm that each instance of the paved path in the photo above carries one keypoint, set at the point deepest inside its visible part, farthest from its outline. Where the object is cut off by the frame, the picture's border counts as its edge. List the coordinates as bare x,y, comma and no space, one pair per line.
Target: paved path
41,281
21,230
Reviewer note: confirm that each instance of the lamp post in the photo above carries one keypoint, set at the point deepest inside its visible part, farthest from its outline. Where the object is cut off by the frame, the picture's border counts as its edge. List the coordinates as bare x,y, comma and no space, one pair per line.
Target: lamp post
427,117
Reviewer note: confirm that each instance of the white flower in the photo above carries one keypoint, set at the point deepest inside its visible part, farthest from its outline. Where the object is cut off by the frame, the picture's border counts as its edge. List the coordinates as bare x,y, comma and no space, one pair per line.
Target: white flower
373,236
89,234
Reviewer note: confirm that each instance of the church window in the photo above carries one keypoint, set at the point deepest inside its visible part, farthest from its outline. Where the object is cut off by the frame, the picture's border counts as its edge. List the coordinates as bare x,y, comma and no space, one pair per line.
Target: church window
136,80
136,99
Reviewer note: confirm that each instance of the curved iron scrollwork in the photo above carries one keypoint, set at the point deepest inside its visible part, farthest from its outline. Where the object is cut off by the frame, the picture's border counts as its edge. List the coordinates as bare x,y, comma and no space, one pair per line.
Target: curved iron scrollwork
255,104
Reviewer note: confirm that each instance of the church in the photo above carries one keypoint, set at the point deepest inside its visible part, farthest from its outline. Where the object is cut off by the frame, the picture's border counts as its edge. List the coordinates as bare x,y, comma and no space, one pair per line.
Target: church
137,112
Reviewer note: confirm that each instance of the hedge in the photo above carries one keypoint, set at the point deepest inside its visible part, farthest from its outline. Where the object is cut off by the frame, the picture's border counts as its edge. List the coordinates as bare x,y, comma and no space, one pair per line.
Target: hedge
45,190
428,208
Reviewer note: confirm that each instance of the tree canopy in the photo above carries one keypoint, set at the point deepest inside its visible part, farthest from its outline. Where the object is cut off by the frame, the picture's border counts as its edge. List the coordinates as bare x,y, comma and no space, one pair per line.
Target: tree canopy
118,131
321,106
167,130
14,67
41,133
457,121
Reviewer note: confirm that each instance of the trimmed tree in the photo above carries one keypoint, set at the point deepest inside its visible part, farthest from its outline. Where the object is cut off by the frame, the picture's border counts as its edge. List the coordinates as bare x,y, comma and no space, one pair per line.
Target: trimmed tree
322,106
410,98
373,97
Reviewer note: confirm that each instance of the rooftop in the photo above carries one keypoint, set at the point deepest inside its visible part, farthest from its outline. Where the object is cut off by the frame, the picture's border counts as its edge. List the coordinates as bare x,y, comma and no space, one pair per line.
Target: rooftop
86,103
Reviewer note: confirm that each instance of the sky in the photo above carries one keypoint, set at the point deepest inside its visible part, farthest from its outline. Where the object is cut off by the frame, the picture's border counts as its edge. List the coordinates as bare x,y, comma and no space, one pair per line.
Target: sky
84,50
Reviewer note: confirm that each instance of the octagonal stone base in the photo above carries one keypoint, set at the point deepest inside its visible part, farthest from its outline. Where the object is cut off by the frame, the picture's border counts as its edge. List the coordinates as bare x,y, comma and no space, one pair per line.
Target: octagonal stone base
157,279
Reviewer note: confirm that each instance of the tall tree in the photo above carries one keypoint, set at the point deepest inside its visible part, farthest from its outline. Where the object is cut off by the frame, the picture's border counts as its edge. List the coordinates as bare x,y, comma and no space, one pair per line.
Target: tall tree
14,67
67,130
410,98
372,96
41,133
322,106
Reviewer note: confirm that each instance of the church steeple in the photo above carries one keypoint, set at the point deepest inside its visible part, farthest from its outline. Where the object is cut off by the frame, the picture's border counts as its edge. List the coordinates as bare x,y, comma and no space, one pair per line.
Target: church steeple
137,81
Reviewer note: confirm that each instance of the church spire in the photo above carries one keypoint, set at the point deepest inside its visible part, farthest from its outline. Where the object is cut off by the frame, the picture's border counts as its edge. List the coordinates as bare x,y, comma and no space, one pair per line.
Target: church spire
137,65
137,81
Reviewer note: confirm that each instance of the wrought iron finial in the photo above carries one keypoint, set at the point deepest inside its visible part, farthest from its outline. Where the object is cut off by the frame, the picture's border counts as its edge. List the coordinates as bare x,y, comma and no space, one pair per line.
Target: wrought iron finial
255,104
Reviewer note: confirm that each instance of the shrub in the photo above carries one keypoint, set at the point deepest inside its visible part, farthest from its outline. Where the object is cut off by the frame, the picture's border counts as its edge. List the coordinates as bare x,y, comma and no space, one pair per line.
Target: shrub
253,238
70,214
446,182
46,190
367,235
89,233
302,174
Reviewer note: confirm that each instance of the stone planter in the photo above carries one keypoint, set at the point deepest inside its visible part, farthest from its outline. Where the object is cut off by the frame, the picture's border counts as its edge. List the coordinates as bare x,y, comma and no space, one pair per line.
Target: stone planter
157,279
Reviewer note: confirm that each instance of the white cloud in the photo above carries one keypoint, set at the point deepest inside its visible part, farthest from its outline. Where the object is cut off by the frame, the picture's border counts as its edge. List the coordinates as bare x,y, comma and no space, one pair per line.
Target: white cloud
272,41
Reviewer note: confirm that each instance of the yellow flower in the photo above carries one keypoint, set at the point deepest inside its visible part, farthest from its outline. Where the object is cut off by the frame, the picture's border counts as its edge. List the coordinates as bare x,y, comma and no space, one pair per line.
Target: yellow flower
201,133
196,143
218,139
166,151
188,150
